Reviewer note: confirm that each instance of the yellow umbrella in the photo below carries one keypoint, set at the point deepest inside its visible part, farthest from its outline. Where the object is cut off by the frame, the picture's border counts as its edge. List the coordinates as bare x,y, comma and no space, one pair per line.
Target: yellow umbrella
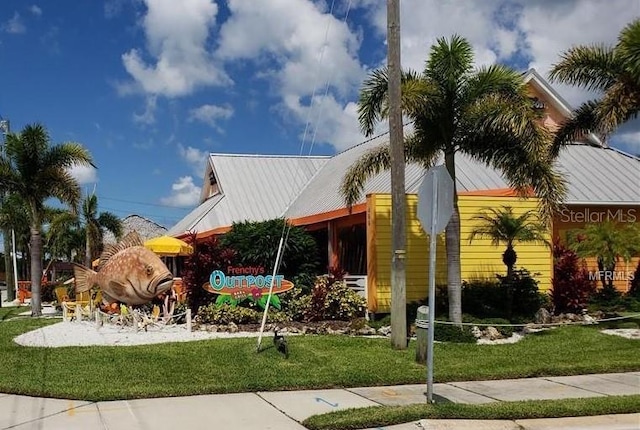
168,246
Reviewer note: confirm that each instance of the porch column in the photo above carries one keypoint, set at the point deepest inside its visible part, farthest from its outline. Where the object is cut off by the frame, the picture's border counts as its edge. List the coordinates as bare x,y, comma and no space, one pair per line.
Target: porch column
332,249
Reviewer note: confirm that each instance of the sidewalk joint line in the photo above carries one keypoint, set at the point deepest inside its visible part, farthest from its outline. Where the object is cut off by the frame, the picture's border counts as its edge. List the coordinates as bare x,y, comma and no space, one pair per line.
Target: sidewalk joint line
277,408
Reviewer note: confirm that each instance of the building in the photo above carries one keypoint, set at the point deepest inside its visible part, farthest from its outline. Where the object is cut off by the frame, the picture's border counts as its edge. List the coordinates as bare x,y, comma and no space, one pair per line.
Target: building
603,183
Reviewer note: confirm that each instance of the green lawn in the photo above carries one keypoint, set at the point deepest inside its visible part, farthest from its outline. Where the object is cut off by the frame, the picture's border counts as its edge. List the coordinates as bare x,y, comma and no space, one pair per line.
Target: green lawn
380,416
232,365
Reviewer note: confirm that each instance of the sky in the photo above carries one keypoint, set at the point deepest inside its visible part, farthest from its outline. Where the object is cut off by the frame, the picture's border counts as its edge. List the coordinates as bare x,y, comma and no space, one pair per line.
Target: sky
151,87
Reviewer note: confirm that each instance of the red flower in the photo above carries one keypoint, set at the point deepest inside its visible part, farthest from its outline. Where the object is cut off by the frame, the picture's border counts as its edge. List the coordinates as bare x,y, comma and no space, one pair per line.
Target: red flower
256,293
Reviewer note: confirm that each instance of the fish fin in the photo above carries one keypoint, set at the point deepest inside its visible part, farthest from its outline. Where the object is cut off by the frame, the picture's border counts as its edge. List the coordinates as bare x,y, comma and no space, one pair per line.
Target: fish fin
82,275
117,288
130,240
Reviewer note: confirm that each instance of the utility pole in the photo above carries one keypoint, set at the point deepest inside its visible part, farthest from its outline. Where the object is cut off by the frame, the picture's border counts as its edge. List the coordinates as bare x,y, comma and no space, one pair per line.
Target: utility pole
398,197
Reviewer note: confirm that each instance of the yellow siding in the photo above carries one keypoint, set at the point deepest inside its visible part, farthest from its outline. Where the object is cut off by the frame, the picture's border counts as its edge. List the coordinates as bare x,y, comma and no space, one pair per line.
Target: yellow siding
417,262
478,260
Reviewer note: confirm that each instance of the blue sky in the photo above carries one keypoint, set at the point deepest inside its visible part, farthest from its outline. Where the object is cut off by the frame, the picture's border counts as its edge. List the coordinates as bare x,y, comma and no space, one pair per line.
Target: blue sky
151,86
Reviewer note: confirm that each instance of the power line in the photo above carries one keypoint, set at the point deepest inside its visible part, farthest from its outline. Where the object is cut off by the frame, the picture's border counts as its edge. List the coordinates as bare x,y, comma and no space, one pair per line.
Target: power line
145,203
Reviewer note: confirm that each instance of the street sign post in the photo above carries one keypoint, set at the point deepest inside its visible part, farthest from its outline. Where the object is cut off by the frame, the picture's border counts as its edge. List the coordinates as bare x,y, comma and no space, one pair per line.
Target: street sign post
435,206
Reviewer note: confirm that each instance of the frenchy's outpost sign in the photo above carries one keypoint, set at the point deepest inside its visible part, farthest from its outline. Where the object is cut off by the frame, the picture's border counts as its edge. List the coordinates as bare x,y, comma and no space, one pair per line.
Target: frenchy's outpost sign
236,284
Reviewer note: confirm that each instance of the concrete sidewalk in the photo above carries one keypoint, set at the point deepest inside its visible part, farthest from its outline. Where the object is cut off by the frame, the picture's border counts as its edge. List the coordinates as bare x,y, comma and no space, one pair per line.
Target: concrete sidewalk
284,410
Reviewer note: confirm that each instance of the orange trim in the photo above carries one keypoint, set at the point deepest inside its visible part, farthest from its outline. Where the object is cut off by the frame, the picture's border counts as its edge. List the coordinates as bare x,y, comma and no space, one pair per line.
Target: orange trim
327,216
208,233
497,192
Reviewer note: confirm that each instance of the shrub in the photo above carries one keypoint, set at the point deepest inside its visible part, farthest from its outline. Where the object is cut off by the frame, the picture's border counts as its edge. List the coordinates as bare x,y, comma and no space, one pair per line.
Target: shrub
295,303
483,298
334,300
526,297
225,314
452,333
256,244
571,286
207,256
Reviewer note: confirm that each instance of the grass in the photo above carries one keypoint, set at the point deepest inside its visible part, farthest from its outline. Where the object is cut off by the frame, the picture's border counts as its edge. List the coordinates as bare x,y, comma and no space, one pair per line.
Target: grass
232,365
12,311
380,416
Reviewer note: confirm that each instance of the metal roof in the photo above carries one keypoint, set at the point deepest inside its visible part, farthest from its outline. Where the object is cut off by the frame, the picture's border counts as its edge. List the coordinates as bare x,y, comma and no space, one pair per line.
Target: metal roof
593,174
253,188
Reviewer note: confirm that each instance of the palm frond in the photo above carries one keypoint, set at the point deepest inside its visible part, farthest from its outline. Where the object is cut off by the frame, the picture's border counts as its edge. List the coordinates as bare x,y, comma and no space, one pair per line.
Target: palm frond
492,80
372,105
449,62
67,155
111,222
582,122
618,105
592,67
377,160
63,186
628,48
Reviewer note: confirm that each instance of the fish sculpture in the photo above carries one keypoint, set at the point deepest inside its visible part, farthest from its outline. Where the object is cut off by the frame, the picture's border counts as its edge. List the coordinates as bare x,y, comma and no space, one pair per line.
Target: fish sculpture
127,273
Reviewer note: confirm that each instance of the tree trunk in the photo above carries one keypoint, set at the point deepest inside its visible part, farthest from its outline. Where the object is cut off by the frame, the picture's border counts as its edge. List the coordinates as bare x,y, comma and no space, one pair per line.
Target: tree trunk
87,249
452,233
8,266
36,270
509,258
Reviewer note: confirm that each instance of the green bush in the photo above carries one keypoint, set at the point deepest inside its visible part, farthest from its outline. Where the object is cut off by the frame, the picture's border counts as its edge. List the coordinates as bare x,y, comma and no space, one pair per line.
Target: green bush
295,303
225,314
334,300
519,300
452,333
256,244
634,285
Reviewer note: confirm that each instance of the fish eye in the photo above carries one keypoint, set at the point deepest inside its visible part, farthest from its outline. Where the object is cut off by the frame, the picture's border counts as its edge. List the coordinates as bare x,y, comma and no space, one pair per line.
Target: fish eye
149,270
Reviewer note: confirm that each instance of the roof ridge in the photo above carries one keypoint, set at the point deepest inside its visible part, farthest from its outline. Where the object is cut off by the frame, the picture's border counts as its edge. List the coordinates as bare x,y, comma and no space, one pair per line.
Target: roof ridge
240,155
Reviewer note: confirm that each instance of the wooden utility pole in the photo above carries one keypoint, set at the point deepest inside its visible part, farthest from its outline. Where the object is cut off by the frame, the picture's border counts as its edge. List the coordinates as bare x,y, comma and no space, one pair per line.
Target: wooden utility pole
396,143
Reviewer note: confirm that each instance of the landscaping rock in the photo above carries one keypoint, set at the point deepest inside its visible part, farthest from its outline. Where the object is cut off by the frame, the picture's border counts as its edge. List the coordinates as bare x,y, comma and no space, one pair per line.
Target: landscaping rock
477,333
366,331
492,333
385,330
232,328
542,316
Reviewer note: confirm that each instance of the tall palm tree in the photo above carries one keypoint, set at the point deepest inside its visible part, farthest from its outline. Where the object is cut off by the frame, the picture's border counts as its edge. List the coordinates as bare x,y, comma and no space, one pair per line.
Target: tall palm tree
36,170
502,226
612,70
94,225
82,234
486,114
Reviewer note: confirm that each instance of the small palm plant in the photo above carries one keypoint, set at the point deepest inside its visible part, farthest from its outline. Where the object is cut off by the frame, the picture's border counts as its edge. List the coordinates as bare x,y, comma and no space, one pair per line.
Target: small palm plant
502,226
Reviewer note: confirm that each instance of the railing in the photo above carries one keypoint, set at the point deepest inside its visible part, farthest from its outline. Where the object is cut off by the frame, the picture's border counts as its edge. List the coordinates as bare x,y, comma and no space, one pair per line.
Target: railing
357,283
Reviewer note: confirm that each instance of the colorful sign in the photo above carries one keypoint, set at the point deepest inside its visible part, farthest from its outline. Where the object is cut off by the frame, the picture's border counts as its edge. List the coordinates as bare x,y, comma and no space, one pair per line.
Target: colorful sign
239,283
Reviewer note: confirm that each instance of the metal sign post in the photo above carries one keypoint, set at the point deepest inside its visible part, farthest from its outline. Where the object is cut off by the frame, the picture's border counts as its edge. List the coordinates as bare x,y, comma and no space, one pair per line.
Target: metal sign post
435,206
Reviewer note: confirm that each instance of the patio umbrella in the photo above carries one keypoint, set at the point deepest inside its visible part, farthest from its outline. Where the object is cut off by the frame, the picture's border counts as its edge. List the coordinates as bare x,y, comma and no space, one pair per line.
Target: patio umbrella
168,246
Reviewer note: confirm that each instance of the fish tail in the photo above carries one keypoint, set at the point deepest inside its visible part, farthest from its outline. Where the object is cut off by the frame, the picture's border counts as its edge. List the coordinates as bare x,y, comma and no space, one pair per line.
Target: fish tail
83,277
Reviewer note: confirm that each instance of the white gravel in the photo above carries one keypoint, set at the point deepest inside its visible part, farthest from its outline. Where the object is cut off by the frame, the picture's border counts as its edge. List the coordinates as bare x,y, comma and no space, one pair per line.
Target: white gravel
629,333
85,333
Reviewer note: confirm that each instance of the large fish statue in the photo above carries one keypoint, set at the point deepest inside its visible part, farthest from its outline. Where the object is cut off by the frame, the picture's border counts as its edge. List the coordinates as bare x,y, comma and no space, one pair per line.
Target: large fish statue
128,273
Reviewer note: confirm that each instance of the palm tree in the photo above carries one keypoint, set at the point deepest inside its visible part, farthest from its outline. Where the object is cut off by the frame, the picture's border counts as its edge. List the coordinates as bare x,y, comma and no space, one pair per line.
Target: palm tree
12,213
95,225
485,114
37,171
609,243
612,70
502,226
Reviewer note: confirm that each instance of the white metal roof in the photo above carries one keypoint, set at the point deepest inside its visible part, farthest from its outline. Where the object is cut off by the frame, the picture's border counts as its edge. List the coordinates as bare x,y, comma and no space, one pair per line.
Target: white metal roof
253,188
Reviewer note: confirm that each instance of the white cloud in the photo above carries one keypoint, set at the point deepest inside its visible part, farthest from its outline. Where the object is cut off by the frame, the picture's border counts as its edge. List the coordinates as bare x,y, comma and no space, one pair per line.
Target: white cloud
14,25
210,114
84,174
299,48
194,157
36,10
176,34
183,193
630,140
147,117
